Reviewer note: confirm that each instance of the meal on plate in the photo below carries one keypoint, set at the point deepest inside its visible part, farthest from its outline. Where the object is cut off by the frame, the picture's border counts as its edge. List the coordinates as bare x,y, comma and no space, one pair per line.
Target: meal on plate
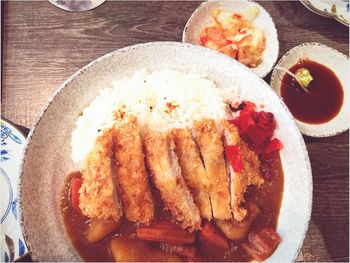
234,34
173,168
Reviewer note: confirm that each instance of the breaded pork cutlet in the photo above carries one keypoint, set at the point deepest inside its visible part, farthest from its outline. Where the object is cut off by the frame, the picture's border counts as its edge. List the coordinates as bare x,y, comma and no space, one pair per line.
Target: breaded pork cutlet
211,148
251,165
193,170
131,173
167,178
240,180
97,195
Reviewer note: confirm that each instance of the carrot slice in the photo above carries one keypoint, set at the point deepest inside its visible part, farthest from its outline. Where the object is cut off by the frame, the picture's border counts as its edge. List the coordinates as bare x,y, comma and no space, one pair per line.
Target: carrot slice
261,243
212,235
165,225
258,243
166,235
251,252
271,238
76,184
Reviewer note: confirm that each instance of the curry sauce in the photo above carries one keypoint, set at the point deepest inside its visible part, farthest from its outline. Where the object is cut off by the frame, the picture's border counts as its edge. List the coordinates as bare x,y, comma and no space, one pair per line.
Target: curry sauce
268,198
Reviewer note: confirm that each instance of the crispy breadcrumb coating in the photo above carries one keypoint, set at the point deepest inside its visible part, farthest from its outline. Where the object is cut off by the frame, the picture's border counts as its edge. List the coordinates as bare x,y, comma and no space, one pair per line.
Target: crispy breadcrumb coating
167,178
98,198
211,148
131,173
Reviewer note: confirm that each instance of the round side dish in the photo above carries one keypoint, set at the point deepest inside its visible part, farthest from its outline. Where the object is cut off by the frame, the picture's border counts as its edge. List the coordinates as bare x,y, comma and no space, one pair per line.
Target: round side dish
323,99
47,158
336,62
201,17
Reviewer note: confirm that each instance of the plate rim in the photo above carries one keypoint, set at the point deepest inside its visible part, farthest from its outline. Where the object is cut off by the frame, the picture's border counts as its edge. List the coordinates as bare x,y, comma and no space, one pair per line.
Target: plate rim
7,211
138,46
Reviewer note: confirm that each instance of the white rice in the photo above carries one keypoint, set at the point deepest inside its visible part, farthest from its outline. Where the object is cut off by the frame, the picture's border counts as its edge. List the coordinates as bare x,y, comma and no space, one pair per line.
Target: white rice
148,97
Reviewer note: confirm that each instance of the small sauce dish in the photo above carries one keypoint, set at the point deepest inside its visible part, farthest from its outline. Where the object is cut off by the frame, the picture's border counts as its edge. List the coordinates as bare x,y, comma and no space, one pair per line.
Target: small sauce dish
320,112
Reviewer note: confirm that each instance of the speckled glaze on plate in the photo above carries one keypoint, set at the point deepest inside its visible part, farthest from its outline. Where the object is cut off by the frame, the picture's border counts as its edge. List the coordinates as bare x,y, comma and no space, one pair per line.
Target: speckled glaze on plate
201,17
12,143
47,154
339,64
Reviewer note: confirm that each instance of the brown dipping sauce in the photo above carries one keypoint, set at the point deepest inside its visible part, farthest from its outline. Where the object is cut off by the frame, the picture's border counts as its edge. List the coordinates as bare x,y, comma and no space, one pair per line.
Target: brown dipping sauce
325,97
268,198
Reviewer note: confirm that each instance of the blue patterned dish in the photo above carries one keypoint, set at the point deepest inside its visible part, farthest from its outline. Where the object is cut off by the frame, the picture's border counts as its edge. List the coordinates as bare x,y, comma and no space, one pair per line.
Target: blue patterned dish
12,143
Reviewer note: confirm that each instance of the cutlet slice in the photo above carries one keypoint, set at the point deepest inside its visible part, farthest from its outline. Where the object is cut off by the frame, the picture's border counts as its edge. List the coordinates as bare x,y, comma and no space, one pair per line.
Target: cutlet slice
166,174
97,196
240,180
131,173
209,141
251,165
193,170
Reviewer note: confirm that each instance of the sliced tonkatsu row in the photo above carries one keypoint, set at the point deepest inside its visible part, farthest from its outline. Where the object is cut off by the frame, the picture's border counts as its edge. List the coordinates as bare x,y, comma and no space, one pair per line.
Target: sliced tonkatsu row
240,180
131,173
209,141
193,170
167,177
187,167
97,194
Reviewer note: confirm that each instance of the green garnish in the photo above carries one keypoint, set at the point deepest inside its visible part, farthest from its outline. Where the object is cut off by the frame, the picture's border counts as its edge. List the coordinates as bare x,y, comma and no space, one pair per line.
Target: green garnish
304,77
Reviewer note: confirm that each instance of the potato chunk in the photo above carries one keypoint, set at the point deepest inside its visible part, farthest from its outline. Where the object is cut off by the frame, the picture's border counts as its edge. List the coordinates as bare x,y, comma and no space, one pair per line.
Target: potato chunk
128,250
235,230
98,229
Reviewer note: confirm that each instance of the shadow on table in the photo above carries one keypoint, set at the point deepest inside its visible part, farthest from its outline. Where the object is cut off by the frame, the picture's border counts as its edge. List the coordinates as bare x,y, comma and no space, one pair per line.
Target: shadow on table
25,258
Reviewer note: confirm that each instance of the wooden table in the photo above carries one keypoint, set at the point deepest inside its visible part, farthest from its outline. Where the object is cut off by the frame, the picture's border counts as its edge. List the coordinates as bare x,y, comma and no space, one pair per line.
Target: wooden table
43,46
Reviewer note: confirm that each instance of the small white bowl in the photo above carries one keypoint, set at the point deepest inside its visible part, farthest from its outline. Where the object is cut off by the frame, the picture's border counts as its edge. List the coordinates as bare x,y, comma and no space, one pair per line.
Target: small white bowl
201,17
334,60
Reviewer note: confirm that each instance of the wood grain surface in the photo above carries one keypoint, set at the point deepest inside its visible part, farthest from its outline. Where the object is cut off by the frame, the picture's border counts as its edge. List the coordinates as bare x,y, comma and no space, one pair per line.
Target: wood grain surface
43,46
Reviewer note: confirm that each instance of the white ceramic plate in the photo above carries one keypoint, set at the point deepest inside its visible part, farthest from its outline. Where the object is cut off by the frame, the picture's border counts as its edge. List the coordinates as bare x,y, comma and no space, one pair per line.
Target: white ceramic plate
12,144
76,5
339,64
47,155
336,9
202,17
